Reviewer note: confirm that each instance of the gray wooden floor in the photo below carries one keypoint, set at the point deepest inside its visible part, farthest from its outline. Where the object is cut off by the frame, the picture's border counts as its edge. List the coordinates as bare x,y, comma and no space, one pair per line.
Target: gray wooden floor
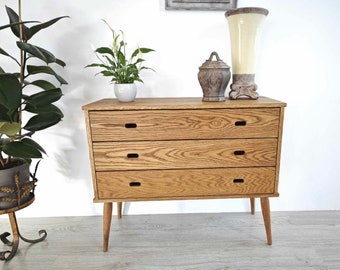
301,240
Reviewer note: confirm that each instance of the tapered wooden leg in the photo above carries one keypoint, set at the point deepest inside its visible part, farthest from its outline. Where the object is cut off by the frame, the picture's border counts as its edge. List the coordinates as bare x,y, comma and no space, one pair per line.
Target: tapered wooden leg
252,206
266,218
119,209
107,224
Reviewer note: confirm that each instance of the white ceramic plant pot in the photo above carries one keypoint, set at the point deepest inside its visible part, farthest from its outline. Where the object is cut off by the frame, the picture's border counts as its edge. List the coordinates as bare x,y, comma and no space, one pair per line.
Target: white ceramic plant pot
125,92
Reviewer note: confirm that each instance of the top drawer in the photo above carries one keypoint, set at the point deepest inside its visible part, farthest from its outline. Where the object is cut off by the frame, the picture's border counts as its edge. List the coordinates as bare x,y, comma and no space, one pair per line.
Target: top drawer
183,124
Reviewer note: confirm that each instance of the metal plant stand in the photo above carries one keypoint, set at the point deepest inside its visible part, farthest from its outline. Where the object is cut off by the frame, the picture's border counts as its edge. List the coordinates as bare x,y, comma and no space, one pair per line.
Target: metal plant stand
9,254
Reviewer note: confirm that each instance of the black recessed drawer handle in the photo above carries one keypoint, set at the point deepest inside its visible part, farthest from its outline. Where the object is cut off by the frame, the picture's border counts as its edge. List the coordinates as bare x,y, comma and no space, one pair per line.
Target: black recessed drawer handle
135,184
130,125
240,123
239,153
132,155
238,181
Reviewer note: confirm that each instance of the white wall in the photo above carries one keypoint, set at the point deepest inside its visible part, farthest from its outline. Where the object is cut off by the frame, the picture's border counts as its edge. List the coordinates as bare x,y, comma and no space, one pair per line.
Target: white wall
297,63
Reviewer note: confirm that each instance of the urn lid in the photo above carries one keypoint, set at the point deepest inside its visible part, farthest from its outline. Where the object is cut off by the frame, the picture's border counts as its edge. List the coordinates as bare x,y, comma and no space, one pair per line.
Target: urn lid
218,63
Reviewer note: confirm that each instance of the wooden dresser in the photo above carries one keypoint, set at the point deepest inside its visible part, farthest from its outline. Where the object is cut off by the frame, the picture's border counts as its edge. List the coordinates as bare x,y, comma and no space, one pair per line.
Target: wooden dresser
183,148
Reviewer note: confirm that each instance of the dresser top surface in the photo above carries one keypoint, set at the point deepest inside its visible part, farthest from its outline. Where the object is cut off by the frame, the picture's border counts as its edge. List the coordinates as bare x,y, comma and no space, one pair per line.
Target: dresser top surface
180,103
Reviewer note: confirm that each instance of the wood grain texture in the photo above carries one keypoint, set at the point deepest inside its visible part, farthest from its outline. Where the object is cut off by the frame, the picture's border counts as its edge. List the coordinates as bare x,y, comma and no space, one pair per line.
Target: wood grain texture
279,146
107,212
184,124
265,206
90,146
215,241
180,103
185,183
183,148
184,154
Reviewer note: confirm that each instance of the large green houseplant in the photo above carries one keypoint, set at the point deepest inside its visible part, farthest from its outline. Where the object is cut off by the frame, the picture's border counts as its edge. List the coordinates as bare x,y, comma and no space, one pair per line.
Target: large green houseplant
26,105
123,70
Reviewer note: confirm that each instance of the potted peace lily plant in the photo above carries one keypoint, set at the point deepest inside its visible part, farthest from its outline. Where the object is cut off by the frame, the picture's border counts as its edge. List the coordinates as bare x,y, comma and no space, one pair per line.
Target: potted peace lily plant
123,70
26,107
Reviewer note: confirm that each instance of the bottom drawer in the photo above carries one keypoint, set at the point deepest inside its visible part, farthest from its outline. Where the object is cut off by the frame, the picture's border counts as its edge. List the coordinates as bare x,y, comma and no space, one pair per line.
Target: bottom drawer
176,184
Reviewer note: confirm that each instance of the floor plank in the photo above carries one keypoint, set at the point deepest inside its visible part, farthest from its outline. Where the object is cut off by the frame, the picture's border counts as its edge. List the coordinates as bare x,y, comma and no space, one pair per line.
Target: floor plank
301,240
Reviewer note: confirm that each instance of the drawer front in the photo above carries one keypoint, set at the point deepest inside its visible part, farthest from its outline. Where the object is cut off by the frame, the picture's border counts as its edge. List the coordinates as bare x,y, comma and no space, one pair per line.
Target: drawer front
184,124
163,184
184,154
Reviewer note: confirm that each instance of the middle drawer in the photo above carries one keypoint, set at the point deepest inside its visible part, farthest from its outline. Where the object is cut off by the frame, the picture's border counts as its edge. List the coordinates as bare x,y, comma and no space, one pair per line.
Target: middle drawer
184,154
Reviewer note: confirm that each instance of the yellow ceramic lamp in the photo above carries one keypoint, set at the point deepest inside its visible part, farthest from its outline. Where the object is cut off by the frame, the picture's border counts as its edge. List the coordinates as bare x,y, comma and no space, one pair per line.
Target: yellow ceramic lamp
244,27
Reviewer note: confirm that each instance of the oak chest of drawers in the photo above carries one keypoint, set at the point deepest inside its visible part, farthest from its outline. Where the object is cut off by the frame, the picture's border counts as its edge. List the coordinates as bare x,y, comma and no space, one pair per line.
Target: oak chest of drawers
183,148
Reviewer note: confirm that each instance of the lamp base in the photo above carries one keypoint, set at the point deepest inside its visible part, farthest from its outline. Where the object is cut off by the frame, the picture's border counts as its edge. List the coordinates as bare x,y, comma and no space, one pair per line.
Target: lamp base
243,87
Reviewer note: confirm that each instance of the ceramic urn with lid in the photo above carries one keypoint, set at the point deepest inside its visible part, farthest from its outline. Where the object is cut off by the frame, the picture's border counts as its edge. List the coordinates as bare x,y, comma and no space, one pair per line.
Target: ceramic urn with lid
214,76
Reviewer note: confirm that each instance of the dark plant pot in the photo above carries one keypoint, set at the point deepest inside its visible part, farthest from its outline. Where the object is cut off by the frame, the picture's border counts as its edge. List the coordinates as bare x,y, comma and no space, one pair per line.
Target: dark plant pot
15,192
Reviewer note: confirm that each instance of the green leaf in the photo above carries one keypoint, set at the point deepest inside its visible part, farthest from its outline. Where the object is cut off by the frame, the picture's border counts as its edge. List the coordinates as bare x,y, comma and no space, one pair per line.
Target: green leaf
8,116
42,121
3,52
36,28
44,97
32,50
15,27
60,62
45,69
141,50
139,60
9,129
44,109
33,143
21,149
97,65
104,50
38,52
28,33
111,63
15,24
3,142
10,92
46,85
3,115
121,59
8,55
107,73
